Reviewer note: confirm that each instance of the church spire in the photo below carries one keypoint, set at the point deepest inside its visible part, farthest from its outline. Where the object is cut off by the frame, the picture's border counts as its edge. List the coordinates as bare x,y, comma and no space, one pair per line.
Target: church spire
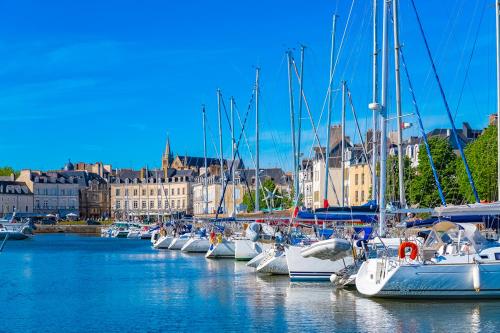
167,157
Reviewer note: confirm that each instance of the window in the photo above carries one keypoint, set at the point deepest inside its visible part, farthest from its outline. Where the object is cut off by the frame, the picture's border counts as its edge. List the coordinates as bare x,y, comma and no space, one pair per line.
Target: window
151,204
183,191
62,192
356,179
173,191
178,191
356,194
362,196
159,203
173,204
183,203
178,204
143,204
135,192
151,192
135,205
362,180
117,192
118,204
143,192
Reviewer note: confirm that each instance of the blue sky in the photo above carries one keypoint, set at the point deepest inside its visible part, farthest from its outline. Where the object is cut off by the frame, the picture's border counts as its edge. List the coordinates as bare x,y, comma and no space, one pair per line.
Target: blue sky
108,80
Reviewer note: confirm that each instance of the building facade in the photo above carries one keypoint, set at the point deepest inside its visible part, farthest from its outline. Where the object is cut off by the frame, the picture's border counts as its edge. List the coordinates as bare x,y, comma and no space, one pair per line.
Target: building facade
150,195
14,197
53,193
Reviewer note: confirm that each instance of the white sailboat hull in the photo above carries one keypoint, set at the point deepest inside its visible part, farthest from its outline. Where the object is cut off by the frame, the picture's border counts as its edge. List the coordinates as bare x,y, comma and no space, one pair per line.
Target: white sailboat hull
429,281
312,269
255,262
245,249
274,263
163,242
197,245
178,243
225,249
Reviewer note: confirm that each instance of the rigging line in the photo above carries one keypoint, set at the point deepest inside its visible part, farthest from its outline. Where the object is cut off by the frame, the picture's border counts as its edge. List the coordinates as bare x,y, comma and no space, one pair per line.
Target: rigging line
421,126
443,96
273,135
332,73
357,126
443,45
469,62
217,155
315,130
236,148
244,135
464,50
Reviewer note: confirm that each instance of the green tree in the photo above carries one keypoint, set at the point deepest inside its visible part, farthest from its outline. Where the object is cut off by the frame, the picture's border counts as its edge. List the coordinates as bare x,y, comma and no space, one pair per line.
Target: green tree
393,178
423,189
481,156
280,199
7,171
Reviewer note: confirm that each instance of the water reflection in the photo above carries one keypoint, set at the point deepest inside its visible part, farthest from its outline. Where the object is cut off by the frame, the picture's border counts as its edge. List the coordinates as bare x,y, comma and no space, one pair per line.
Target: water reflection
123,286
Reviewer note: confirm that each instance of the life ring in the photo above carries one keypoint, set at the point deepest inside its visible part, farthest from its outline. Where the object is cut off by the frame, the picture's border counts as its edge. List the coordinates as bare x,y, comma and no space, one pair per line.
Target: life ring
412,246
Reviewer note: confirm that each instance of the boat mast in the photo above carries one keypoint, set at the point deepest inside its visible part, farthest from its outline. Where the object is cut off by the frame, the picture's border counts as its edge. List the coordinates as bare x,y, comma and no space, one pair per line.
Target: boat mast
497,7
374,106
147,192
383,122
342,162
299,125
257,164
205,178
233,146
329,117
222,174
402,197
292,118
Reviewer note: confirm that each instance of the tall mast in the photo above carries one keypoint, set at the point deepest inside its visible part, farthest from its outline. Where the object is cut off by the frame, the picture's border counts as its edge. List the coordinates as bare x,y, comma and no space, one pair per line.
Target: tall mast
342,157
292,118
498,92
222,174
402,198
374,106
329,117
257,165
205,178
147,192
299,125
233,146
383,122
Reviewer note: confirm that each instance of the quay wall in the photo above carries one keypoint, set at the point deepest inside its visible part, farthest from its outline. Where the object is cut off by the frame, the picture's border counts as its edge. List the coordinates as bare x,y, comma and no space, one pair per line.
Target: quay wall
76,229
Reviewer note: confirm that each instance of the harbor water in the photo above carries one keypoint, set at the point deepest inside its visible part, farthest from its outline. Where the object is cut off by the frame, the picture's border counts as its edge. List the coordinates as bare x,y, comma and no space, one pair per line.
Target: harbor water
72,283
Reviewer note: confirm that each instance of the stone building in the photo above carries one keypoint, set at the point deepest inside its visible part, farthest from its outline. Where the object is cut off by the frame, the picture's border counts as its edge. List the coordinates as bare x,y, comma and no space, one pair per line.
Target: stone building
148,194
53,192
14,196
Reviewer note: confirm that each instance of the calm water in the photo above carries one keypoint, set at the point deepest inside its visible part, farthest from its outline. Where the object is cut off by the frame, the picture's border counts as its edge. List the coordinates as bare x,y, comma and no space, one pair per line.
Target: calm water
71,283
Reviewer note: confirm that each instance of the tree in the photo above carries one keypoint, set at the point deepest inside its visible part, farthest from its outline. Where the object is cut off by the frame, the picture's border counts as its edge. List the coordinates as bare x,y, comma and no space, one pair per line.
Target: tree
7,171
423,190
482,159
280,199
392,193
